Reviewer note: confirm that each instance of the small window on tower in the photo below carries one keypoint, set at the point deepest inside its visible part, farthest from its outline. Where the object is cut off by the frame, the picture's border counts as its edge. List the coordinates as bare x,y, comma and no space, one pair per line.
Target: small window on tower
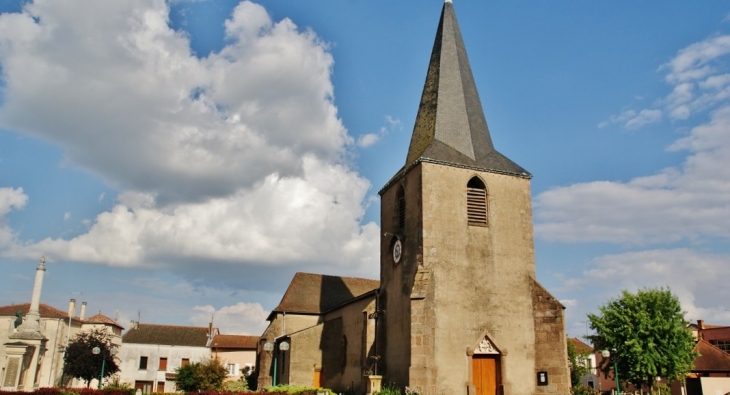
476,202
400,207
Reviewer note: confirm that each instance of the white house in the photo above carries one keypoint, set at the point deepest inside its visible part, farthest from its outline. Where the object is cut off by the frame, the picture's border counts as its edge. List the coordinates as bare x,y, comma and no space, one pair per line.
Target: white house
150,354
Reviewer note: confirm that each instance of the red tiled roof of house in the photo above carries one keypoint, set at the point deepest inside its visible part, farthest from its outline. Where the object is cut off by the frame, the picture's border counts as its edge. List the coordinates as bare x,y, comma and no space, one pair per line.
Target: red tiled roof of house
102,319
580,346
317,293
711,358
709,326
170,335
45,310
235,341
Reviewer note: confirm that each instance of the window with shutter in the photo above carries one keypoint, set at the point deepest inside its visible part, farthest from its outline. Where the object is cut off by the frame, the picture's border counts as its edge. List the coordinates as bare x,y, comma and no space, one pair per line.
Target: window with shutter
476,202
401,208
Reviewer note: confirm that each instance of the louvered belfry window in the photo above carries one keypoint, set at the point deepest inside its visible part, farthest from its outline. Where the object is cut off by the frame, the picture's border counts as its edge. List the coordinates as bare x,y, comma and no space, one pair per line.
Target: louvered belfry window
401,208
476,202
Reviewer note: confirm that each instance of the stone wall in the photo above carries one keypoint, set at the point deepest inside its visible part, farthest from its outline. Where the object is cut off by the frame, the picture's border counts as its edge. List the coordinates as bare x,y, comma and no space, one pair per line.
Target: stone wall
550,342
397,279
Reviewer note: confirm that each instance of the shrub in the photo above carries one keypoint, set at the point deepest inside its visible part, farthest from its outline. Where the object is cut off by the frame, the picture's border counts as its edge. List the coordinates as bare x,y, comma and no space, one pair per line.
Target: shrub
296,390
583,390
389,389
236,386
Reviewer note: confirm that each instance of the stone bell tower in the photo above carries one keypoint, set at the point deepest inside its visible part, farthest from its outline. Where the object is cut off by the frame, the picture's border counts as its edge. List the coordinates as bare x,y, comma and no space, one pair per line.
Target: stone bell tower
464,313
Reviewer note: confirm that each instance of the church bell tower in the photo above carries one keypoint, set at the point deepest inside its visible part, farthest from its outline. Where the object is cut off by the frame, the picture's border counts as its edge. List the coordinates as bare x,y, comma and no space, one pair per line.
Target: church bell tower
464,313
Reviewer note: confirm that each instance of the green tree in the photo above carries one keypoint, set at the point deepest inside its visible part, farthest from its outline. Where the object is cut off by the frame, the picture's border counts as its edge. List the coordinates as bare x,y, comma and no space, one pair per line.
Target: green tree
80,362
577,361
646,334
201,376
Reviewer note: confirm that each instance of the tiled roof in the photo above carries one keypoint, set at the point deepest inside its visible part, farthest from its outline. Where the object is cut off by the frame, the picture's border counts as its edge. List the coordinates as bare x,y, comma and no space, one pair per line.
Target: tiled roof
170,335
450,125
102,319
317,293
580,346
235,341
45,310
711,358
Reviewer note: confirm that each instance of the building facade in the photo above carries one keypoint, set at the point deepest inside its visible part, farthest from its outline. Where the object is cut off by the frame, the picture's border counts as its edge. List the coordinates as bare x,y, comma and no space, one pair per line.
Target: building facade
236,352
464,312
327,323
150,354
34,337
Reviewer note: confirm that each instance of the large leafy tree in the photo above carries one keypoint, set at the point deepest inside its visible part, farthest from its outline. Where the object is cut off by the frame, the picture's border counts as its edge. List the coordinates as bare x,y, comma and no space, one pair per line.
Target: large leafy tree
647,335
201,376
80,361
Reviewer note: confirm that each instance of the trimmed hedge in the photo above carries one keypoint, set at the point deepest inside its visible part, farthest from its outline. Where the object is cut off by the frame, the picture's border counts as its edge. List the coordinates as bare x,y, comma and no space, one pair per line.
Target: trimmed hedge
278,390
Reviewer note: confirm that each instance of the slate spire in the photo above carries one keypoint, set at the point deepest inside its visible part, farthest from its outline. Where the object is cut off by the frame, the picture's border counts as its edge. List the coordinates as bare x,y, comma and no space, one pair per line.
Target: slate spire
450,126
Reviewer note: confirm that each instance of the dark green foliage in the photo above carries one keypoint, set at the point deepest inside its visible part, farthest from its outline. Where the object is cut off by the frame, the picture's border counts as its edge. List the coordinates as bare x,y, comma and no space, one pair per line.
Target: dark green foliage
201,376
576,362
648,331
81,363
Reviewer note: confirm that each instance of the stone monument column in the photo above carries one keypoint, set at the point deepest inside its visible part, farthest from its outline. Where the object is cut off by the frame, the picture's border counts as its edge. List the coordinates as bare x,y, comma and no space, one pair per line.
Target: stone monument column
30,342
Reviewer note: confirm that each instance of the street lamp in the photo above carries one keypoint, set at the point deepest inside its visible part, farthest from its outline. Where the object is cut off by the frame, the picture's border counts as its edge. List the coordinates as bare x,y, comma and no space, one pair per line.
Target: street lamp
269,347
606,354
96,350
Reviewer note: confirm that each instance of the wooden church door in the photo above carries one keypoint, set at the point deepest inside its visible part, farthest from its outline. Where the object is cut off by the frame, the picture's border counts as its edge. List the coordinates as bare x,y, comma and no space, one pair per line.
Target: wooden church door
485,374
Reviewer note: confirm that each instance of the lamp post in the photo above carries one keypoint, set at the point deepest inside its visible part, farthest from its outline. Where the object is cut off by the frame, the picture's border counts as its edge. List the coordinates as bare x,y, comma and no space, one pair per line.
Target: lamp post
283,346
96,350
606,354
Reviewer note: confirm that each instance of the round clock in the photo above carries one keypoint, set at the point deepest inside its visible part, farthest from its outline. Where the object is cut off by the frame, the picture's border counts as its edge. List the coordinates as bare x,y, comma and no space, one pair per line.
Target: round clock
397,251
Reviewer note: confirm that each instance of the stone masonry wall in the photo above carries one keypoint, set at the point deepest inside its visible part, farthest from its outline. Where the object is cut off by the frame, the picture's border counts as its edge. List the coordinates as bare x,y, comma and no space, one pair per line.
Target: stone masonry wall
551,353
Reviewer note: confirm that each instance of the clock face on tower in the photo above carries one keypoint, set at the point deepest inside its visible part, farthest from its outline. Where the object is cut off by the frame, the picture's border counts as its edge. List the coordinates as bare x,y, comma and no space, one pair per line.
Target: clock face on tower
397,251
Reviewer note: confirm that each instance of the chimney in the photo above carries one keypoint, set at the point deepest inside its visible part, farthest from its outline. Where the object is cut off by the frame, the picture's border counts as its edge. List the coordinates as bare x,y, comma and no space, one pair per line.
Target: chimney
82,314
71,308
701,324
133,324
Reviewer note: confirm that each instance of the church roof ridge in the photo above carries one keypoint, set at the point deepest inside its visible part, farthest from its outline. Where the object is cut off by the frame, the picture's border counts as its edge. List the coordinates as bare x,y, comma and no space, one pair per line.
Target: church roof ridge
310,293
450,125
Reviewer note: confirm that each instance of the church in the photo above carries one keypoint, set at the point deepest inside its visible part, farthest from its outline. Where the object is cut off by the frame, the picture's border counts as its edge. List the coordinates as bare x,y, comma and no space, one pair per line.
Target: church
457,309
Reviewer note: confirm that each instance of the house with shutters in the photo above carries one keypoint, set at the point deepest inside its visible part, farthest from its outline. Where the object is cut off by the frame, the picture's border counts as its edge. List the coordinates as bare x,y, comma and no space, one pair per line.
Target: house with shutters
150,354
236,352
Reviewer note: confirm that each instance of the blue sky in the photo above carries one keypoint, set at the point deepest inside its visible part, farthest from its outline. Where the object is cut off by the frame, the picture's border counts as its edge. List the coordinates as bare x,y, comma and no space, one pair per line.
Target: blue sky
183,159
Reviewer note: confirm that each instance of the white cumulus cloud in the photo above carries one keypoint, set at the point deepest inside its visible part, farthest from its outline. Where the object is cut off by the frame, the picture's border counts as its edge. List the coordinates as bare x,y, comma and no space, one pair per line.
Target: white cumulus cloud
236,157
239,319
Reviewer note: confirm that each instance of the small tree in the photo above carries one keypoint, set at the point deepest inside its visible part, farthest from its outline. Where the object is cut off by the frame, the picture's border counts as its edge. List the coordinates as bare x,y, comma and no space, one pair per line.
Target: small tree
80,362
201,376
577,363
646,334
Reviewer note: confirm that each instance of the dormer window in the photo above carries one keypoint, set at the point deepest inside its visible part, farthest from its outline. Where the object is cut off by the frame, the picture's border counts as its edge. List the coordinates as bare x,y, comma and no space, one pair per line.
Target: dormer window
476,202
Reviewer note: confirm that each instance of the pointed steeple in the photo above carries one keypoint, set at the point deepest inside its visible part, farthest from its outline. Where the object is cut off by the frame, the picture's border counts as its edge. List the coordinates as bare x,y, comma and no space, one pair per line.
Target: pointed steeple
450,126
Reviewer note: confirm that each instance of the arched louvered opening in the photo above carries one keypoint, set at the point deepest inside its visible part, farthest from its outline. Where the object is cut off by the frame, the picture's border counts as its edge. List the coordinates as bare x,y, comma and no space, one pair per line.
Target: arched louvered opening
400,208
476,202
